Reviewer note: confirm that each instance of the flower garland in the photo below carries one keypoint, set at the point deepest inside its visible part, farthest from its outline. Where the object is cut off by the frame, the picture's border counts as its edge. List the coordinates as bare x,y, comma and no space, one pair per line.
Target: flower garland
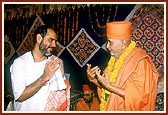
113,74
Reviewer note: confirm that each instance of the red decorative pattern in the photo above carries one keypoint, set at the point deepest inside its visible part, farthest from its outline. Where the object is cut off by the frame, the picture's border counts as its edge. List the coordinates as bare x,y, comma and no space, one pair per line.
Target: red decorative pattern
82,47
59,100
148,31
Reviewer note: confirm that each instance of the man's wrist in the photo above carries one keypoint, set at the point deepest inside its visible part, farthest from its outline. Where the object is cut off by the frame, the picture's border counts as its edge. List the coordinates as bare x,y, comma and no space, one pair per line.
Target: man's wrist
43,81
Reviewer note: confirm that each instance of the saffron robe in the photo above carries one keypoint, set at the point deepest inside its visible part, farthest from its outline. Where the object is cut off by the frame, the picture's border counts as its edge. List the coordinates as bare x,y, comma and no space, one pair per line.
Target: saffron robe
82,106
138,77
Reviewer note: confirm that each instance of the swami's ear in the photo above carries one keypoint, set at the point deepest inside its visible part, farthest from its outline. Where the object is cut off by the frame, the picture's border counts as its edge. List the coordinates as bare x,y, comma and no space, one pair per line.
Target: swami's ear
124,44
39,38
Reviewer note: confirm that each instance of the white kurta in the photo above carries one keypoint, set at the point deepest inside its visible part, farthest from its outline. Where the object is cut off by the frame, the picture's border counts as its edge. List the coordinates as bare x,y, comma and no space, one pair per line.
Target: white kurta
25,71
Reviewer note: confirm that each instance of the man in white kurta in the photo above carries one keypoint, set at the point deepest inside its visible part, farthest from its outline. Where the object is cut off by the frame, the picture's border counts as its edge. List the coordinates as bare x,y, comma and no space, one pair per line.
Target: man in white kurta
38,76
24,71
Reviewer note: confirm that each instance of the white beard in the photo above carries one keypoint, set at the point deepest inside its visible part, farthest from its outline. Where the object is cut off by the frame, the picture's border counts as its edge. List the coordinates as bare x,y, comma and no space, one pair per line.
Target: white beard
112,53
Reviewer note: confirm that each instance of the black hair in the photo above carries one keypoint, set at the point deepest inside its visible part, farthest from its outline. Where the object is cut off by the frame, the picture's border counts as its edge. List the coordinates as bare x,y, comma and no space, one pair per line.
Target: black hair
42,30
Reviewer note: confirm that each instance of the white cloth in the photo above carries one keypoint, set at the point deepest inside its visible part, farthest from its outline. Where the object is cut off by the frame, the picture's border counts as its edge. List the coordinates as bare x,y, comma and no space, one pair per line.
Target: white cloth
25,71
57,82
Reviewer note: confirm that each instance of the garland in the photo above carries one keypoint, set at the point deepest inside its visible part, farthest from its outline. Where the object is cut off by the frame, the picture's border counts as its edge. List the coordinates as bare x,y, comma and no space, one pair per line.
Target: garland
113,74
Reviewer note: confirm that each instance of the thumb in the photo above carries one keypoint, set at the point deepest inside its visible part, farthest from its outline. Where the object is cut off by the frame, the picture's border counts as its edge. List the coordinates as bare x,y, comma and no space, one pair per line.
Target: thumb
88,66
105,74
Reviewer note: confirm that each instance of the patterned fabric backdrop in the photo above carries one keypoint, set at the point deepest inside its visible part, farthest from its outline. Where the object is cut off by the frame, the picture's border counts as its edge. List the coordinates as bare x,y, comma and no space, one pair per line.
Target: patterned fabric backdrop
8,49
148,31
82,47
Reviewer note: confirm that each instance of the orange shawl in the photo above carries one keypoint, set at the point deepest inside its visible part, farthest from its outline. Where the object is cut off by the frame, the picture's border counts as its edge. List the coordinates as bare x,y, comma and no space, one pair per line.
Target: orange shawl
82,106
138,77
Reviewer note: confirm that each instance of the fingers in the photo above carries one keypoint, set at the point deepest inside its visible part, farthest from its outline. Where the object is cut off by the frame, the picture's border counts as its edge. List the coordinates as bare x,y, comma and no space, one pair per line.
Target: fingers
94,69
105,74
53,63
88,66
98,75
98,72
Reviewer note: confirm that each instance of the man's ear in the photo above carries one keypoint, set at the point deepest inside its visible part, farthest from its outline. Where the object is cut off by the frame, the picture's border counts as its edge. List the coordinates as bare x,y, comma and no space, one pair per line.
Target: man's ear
124,42
39,38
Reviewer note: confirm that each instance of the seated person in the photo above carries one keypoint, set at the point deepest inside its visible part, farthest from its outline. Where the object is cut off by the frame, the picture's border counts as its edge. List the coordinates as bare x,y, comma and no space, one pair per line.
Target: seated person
89,102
